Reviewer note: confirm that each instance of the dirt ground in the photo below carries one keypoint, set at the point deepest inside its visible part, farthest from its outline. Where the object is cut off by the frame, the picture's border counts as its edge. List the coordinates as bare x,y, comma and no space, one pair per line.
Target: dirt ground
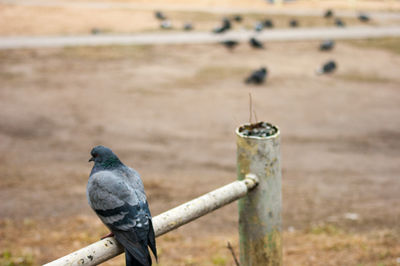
79,17
170,112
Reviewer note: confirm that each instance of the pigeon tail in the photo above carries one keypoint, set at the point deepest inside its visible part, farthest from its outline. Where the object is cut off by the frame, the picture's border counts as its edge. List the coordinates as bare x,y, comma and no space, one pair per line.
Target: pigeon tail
131,261
152,240
136,251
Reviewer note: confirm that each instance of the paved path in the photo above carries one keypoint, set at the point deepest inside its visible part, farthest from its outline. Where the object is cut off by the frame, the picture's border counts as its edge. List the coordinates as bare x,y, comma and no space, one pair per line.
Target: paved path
199,37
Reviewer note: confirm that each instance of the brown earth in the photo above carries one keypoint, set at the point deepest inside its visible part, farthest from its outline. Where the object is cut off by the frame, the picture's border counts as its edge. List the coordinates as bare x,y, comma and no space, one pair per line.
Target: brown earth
79,18
170,112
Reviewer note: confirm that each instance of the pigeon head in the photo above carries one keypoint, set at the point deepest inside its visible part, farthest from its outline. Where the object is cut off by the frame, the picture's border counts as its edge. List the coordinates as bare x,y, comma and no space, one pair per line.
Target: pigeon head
104,157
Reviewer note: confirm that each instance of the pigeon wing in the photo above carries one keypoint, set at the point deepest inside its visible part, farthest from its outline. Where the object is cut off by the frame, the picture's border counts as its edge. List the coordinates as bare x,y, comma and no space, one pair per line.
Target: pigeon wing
123,209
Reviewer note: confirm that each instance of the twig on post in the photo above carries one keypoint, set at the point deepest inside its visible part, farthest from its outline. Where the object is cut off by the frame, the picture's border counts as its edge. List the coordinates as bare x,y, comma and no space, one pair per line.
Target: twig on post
255,116
233,254
251,108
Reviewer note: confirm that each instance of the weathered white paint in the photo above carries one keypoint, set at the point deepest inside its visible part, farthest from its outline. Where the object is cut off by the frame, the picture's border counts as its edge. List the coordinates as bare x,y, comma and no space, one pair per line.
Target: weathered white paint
108,248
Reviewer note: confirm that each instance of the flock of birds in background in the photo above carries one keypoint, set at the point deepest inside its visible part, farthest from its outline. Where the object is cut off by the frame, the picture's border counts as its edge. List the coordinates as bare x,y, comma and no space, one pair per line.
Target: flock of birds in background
259,76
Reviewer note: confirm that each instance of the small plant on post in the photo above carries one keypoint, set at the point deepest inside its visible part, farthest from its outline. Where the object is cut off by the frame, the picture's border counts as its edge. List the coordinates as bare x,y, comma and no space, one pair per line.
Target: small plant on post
260,223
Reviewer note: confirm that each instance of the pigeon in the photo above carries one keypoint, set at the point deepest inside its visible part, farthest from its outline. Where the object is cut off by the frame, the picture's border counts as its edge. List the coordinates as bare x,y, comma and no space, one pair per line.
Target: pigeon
116,193
166,24
259,26
219,30
328,67
268,23
257,77
256,43
328,13
339,22
363,17
95,31
293,23
187,26
226,25
327,45
230,44
237,18
159,15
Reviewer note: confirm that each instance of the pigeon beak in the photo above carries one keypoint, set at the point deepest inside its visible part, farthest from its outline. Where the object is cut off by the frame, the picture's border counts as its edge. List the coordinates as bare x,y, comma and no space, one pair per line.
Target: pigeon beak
91,159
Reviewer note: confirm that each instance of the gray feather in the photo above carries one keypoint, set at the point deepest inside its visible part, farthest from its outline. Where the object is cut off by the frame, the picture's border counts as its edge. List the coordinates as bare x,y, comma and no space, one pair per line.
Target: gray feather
116,193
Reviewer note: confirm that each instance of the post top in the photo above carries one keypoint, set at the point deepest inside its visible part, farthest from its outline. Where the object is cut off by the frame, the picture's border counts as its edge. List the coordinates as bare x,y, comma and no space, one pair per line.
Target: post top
259,130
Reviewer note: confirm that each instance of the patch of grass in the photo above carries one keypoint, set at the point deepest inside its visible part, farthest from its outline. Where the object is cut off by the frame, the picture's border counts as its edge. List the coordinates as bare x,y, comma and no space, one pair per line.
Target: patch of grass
342,248
327,229
391,44
219,260
361,77
7,258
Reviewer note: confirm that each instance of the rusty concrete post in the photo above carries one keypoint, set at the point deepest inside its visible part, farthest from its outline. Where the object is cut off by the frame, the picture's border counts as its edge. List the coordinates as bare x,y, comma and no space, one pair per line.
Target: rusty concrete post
260,222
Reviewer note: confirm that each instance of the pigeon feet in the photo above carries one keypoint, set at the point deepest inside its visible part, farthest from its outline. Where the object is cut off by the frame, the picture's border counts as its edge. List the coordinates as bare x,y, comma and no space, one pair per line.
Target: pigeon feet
111,234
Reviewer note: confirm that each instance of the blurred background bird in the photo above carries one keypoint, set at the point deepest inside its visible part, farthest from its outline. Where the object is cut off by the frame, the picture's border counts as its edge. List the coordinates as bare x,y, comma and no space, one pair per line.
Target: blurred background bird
294,23
339,22
328,13
268,23
256,43
159,15
230,44
327,45
257,77
328,67
363,17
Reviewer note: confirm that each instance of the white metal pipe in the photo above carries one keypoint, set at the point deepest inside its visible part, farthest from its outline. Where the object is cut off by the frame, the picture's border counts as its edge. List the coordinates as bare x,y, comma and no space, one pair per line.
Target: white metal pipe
260,222
108,248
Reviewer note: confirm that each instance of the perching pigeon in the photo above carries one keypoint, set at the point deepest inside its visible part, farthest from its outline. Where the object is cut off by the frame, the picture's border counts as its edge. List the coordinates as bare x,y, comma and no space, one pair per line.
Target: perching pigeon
257,77
116,193
363,17
339,22
326,45
256,43
328,13
230,44
159,15
328,67
294,23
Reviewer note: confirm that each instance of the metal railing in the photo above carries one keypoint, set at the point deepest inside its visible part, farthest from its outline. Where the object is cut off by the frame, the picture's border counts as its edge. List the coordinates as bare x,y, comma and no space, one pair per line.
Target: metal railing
258,161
